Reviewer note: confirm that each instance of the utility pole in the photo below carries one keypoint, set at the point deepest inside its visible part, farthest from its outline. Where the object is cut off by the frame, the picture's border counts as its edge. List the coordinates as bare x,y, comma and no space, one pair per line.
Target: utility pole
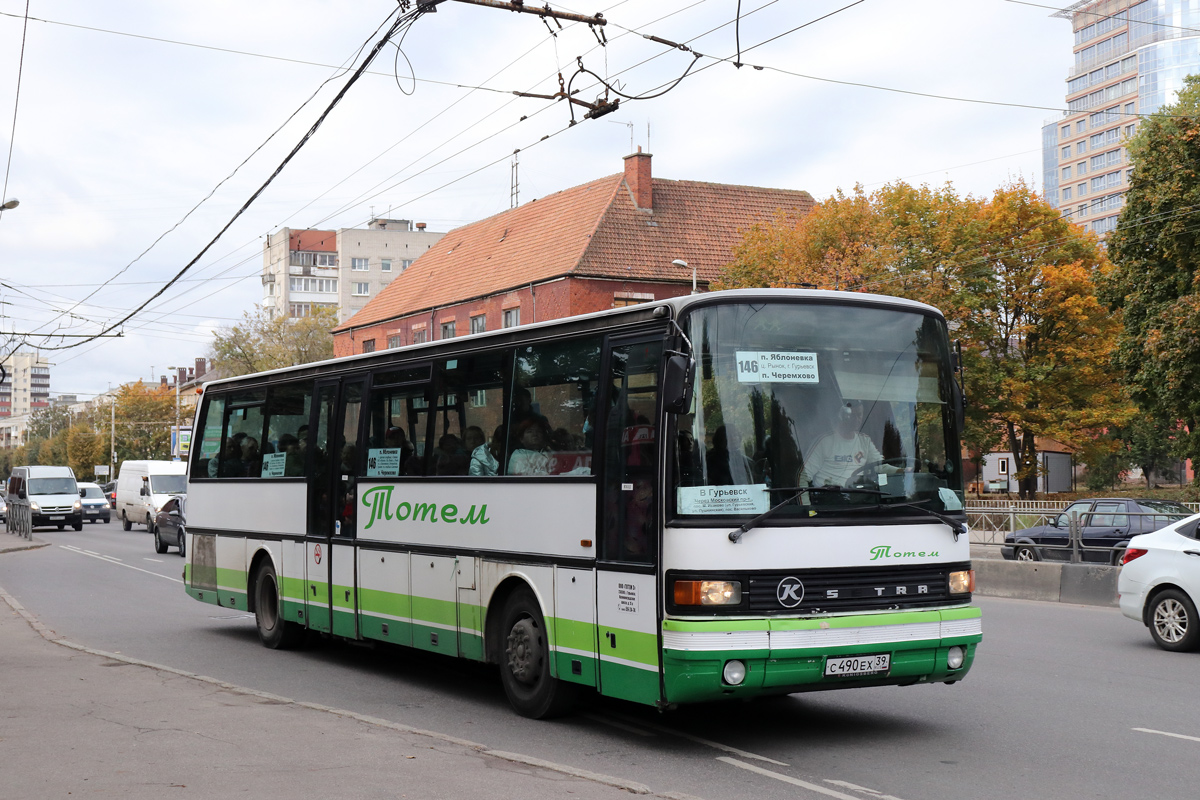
519,6
514,192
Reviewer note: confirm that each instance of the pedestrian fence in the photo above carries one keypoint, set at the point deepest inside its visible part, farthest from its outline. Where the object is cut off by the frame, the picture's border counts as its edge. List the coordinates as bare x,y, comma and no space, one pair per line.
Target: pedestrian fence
990,524
19,520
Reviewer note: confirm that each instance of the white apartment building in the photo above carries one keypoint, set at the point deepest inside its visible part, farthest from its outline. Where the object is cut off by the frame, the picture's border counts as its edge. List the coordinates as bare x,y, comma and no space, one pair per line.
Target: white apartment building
307,268
1131,57
26,384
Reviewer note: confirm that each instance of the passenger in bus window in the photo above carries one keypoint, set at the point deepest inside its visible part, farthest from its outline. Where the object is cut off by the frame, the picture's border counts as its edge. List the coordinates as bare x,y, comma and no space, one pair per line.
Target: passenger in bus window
450,457
485,459
726,463
251,457
293,465
229,465
689,460
531,456
395,438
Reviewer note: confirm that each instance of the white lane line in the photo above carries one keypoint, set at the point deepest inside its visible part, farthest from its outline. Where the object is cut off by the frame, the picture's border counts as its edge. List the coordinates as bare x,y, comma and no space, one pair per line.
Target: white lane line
812,787
155,560
619,725
715,745
118,563
1172,735
89,552
856,788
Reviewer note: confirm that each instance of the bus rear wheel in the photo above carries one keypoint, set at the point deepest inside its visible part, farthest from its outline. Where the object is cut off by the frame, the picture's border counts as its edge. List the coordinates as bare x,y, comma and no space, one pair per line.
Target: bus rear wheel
273,630
525,661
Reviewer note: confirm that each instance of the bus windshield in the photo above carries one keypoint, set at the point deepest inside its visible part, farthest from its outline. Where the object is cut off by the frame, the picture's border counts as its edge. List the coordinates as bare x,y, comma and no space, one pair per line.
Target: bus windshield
855,403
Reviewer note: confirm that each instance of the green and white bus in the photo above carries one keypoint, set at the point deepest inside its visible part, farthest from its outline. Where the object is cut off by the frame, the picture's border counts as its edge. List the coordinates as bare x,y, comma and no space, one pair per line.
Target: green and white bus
724,495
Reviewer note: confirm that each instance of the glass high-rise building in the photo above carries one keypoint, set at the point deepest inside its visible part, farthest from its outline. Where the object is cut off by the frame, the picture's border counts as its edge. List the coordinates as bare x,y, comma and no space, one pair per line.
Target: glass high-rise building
1130,60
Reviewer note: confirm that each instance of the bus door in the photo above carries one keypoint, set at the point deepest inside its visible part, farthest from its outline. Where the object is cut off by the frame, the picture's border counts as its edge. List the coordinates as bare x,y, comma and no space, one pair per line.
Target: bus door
331,598
626,585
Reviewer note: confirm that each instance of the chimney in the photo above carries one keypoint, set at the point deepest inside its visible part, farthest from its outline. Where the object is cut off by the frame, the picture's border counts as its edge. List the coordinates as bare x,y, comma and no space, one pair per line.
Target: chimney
200,367
421,226
637,178
162,381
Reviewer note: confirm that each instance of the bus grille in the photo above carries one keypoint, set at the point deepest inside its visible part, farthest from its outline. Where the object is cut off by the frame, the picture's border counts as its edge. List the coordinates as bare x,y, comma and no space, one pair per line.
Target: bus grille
852,589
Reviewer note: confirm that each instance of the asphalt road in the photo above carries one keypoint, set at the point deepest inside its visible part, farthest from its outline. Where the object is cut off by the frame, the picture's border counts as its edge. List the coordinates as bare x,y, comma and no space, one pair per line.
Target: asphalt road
1063,701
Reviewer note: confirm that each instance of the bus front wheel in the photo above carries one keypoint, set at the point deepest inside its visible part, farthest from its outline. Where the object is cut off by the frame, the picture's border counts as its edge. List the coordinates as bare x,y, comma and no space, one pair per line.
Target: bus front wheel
525,661
273,630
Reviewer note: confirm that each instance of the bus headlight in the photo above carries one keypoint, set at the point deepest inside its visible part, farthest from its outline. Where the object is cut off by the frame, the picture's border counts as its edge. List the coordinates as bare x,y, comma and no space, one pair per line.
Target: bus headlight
962,582
954,659
708,593
734,673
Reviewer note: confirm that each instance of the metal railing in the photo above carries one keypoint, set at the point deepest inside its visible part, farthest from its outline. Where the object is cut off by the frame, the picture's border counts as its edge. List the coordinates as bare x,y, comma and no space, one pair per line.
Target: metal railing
19,520
990,525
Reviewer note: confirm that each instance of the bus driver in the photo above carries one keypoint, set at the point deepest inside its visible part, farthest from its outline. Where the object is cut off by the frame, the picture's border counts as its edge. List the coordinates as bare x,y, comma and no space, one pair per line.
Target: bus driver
837,456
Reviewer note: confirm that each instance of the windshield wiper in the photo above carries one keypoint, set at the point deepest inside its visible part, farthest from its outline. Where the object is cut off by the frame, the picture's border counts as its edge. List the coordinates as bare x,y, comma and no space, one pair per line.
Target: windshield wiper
736,535
955,526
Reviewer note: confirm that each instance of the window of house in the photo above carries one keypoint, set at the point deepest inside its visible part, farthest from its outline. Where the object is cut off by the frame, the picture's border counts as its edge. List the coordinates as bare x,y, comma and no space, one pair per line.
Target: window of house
447,330
1081,168
405,263
1081,126
394,341
361,289
1066,173
511,317
419,336
1002,466
1066,131
1066,193
359,264
1080,147
1066,151
479,323
1081,189
368,346
1081,211
385,264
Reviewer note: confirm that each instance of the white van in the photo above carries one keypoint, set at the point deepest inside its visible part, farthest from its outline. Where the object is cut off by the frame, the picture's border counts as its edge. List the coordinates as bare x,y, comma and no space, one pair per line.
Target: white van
143,487
51,494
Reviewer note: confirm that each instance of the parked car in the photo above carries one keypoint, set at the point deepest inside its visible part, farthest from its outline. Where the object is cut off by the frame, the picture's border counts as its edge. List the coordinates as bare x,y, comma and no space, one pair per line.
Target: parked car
169,526
1105,522
1159,584
95,504
3,510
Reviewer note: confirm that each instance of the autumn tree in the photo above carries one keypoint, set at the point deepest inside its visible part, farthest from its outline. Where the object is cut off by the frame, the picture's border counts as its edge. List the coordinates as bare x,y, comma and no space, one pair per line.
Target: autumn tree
261,342
144,416
1016,280
1156,282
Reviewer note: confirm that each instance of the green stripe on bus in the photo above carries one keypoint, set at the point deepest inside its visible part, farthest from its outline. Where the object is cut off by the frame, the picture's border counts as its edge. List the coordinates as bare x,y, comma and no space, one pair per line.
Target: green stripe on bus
629,683
966,612
634,646
573,634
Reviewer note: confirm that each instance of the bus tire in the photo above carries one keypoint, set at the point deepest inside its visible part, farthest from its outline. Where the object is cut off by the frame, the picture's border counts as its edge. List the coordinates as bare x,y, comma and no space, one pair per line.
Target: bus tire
524,650
273,630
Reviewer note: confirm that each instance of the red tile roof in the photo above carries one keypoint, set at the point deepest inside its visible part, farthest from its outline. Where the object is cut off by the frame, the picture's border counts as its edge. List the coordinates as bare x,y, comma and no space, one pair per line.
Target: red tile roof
593,230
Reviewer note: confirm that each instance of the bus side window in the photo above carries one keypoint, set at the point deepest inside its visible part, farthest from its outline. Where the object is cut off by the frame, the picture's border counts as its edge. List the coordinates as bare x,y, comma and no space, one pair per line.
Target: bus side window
396,434
550,415
205,452
469,430
241,448
287,411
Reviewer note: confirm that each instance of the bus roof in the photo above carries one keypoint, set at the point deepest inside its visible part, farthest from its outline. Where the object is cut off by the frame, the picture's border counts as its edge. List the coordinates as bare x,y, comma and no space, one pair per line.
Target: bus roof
629,316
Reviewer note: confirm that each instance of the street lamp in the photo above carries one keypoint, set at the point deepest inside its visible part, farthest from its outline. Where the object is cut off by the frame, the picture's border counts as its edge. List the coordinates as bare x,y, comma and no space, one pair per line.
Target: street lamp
10,204
178,434
679,262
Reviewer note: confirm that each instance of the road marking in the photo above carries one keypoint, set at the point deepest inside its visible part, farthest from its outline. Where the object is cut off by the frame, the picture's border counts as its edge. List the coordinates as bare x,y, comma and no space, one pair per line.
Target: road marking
856,788
812,787
1172,735
109,560
715,745
155,560
619,725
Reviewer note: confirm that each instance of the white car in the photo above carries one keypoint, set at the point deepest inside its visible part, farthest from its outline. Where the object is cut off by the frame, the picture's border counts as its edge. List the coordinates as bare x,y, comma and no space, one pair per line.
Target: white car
1159,584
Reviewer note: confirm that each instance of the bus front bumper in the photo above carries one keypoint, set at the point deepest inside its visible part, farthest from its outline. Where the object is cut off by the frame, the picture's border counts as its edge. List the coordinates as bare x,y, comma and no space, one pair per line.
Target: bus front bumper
782,656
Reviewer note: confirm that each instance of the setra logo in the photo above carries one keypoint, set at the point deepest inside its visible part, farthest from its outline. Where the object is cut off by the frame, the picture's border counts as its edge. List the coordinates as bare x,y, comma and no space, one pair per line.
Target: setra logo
790,592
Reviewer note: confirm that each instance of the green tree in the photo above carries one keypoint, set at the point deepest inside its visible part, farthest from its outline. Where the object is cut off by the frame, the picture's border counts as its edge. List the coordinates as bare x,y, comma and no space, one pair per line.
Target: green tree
1156,282
144,416
260,342
1015,278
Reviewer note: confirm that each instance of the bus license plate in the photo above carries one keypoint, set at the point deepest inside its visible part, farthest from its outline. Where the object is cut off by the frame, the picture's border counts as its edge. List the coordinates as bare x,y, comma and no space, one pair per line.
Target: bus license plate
853,666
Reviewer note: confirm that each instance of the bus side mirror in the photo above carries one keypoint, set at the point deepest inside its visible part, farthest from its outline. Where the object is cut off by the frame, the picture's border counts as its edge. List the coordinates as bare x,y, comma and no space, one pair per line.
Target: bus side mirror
960,404
677,384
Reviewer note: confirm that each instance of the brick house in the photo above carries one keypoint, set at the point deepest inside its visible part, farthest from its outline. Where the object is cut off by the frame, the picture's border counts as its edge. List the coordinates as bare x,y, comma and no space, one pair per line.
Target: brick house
606,243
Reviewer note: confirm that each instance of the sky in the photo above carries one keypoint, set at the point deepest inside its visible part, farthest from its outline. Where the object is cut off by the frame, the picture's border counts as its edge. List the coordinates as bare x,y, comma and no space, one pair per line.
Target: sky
138,129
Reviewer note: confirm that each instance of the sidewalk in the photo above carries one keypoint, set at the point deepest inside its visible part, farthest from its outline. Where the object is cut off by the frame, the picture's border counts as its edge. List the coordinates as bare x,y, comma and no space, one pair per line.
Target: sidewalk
81,723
